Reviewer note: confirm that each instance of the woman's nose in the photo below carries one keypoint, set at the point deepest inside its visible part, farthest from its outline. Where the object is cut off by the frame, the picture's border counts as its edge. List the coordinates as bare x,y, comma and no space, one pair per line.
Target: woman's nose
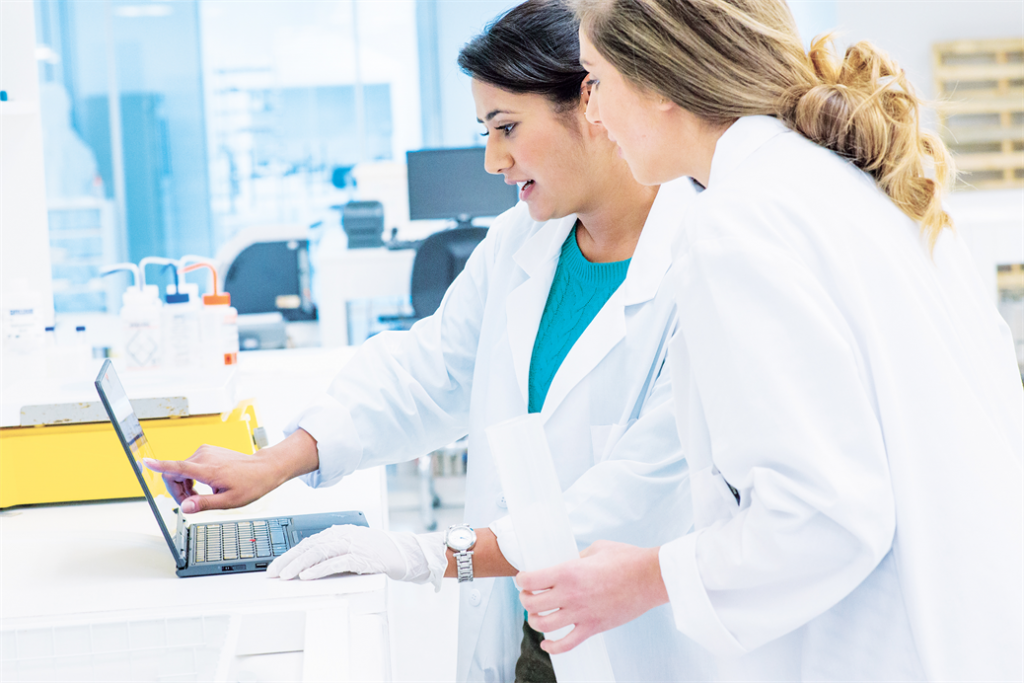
496,159
593,110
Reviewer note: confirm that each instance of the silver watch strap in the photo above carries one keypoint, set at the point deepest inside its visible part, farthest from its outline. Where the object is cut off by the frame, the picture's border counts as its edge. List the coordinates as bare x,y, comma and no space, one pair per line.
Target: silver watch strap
464,565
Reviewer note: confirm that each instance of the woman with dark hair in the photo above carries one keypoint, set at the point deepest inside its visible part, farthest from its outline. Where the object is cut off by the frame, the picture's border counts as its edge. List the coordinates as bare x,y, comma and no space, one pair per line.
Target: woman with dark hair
564,310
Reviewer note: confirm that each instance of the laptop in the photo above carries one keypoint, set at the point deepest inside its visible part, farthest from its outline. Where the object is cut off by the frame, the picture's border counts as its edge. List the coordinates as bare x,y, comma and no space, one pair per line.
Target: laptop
208,548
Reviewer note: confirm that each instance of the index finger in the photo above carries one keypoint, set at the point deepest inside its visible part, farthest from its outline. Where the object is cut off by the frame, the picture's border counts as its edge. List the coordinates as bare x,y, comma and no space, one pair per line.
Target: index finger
539,580
180,468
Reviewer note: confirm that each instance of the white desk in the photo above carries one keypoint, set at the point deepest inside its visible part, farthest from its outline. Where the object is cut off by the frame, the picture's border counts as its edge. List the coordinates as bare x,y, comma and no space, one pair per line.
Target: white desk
88,592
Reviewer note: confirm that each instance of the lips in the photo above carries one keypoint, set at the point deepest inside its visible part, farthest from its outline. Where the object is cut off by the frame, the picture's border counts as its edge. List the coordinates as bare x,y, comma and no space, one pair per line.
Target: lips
525,188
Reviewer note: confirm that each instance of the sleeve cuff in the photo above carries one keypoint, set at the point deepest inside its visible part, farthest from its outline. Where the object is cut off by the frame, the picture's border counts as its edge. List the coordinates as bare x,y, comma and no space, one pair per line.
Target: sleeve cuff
339,447
691,607
508,543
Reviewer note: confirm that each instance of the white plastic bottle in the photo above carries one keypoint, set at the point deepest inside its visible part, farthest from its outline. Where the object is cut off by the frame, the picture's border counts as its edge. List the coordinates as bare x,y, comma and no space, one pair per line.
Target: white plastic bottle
182,342
219,324
22,319
141,339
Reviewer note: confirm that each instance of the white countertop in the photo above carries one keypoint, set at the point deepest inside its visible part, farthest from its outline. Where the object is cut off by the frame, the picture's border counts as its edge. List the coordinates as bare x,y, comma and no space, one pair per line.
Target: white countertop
67,572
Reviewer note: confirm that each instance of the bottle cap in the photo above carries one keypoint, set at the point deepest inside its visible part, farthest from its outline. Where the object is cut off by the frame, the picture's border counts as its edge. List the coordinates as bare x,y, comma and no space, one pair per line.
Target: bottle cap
79,328
217,299
177,298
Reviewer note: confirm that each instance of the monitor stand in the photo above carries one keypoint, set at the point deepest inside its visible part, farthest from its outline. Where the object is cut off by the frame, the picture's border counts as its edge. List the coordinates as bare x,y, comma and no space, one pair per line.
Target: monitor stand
463,221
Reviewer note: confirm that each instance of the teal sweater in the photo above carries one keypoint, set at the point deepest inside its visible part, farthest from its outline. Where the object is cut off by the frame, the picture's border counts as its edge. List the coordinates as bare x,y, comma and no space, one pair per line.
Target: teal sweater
578,292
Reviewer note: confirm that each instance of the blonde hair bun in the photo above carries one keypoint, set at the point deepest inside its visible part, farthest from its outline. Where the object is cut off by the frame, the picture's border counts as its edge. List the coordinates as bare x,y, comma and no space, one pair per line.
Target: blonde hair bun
864,109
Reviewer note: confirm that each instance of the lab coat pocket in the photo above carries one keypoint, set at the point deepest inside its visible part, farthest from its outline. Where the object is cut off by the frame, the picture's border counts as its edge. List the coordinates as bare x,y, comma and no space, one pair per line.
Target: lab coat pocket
713,500
604,437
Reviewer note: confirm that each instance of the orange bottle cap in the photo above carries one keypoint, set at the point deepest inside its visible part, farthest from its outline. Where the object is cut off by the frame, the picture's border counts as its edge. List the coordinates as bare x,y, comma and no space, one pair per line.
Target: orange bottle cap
217,299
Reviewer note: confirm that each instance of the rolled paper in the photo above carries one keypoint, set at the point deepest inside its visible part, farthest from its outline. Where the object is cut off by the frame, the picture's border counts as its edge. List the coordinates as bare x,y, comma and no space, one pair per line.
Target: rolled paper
533,494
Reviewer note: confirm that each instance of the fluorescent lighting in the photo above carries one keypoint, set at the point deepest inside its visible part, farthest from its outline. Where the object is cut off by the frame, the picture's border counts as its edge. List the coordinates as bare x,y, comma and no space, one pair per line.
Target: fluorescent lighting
137,11
45,53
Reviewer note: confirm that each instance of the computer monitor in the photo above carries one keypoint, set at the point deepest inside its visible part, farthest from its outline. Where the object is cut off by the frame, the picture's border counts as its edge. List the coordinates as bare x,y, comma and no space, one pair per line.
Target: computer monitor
452,183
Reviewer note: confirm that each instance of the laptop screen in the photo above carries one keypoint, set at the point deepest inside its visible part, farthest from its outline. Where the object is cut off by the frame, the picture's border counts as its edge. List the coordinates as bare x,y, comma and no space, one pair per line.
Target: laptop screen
136,447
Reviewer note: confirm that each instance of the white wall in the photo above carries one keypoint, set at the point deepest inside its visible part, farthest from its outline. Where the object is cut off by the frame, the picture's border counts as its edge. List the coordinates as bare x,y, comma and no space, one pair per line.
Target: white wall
906,29
24,234
991,222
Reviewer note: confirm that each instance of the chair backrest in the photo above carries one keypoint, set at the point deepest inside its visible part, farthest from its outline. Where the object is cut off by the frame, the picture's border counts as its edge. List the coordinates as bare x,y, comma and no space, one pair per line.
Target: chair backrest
439,260
272,276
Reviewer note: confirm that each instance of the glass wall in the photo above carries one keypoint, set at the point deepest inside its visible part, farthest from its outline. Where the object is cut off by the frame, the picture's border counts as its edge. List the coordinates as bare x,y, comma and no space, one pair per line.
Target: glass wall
169,127
297,90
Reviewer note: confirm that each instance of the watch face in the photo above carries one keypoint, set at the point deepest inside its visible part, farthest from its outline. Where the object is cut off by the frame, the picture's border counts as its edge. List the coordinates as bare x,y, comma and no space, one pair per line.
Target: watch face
461,538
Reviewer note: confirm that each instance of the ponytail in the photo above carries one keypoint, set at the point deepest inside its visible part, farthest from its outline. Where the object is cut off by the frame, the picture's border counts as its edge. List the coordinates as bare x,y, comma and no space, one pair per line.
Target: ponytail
864,109
723,59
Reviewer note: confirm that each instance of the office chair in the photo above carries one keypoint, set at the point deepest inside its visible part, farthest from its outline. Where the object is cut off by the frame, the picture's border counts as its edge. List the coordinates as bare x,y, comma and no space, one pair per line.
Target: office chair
439,260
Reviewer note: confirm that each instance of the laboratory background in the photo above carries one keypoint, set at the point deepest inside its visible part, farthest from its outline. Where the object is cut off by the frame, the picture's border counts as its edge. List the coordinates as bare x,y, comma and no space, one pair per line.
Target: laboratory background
226,198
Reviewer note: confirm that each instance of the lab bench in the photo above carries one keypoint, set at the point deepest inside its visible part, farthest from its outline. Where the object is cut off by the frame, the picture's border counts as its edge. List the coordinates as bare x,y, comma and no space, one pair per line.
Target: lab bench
89,590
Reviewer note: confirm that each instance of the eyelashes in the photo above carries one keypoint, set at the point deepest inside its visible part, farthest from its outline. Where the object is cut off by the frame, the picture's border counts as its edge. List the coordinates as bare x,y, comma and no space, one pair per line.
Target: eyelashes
507,130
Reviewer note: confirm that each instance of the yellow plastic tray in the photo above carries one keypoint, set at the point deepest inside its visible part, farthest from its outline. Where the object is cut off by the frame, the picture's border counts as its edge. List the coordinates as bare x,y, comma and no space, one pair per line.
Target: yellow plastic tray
82,462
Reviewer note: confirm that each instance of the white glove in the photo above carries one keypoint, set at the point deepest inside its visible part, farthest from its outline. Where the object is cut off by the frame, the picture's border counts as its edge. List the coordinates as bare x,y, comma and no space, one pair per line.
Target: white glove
346,548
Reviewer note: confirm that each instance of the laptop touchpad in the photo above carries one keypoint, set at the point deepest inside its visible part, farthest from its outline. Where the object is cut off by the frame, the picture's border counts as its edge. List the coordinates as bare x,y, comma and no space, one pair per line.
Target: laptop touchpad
299,534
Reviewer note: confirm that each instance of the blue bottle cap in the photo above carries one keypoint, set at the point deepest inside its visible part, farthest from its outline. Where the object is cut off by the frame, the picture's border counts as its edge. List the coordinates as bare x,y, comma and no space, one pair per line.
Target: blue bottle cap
177,298
80,328
49,328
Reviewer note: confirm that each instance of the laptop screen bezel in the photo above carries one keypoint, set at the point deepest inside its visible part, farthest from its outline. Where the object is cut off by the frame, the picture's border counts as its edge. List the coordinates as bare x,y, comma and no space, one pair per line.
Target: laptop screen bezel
105,371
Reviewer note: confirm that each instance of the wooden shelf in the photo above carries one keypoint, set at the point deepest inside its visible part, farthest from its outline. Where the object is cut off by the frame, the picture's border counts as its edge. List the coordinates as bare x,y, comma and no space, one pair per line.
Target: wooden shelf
980,87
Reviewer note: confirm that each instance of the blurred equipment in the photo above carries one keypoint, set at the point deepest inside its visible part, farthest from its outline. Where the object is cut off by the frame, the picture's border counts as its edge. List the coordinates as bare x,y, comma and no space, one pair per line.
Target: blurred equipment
268,277
67,452
363,223
452,183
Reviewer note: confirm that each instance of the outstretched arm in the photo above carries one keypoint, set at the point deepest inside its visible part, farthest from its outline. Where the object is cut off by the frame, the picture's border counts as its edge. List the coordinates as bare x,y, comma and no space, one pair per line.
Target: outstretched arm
236,478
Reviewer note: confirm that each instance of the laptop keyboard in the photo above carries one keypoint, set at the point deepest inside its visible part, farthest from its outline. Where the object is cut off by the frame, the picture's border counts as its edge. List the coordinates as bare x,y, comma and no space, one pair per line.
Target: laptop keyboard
239,540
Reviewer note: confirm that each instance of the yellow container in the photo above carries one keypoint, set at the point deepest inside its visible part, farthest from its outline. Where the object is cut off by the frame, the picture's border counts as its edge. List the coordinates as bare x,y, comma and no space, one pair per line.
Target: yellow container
81,462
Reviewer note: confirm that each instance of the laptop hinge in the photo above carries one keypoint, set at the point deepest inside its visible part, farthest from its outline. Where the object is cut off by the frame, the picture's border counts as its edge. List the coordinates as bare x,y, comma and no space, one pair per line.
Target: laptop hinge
181,538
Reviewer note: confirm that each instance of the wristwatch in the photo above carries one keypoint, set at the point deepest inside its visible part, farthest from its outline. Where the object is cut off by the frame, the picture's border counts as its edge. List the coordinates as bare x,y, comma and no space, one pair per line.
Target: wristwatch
461,538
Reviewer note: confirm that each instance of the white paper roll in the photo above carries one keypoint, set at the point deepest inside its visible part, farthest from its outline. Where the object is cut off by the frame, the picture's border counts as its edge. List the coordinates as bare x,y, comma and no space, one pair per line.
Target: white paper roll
534,497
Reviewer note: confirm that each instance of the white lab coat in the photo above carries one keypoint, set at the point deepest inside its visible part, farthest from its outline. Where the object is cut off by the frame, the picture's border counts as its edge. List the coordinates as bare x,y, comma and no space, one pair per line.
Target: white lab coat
608,417
863,399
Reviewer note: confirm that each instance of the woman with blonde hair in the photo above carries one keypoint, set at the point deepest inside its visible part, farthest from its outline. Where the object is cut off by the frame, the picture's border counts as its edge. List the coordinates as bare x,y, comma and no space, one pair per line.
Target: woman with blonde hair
846,393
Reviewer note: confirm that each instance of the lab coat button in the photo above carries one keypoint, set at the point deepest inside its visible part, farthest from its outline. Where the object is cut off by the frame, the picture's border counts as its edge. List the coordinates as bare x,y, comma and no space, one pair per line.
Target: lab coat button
501,503
474,597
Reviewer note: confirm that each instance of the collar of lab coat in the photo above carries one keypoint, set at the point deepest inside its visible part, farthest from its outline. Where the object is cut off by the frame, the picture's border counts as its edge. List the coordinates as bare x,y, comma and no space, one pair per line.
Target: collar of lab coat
538,258
741,140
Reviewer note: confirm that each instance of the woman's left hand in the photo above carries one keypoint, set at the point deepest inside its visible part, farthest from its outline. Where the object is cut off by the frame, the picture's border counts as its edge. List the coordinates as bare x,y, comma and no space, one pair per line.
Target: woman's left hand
611,584
346,548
